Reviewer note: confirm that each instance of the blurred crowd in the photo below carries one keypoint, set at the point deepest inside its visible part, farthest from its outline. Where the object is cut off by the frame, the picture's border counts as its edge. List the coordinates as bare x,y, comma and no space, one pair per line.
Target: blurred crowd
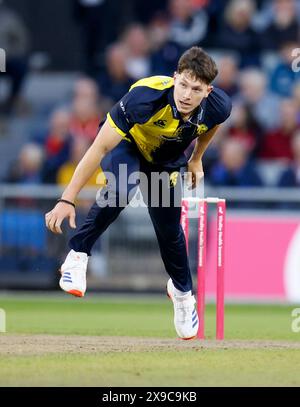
255,44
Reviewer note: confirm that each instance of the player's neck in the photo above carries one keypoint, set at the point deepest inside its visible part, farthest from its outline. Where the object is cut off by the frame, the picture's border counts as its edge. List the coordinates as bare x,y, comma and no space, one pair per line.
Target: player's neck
186,117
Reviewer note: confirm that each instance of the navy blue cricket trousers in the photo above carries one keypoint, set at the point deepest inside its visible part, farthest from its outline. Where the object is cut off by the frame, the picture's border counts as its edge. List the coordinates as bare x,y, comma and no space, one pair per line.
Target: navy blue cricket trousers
166,220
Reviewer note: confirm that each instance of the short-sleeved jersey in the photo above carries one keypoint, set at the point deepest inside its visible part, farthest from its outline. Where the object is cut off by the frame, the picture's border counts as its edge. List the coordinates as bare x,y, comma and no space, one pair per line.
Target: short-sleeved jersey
147,115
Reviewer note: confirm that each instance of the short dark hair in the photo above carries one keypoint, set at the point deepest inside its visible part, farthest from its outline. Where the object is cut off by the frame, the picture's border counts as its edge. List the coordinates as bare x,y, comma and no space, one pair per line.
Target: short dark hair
200,65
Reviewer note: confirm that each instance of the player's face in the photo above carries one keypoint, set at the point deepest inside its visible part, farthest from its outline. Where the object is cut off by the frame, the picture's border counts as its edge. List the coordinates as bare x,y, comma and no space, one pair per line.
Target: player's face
189,92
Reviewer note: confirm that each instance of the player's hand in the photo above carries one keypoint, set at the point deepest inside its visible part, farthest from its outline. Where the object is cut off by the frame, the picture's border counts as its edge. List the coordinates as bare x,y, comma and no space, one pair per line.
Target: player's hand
195,174
55,217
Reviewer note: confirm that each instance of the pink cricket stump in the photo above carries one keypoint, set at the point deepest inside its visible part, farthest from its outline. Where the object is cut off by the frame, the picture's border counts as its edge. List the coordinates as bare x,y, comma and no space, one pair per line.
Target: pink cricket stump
185,221
201,259
202,230
221,213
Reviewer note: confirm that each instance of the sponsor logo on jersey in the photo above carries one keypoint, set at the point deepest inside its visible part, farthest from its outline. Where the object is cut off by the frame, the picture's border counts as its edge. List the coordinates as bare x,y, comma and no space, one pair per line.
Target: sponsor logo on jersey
201,128
161,123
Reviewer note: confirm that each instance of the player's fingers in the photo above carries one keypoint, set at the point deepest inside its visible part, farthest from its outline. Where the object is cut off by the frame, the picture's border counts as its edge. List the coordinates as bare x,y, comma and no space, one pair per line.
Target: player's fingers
72,221
48,218
57,225
197,178
51,223
194,180
54,224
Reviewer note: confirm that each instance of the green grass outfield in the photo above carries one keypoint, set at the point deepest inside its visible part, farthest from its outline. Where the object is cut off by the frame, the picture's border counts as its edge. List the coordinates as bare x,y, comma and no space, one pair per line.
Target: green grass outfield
264,353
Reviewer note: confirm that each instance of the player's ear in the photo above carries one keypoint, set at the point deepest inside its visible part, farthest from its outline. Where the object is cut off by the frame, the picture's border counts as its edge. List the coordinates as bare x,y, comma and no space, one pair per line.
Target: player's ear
209,89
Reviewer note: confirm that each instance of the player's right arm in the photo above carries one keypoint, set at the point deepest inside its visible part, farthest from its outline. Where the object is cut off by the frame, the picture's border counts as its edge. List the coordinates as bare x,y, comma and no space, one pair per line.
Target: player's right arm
107,139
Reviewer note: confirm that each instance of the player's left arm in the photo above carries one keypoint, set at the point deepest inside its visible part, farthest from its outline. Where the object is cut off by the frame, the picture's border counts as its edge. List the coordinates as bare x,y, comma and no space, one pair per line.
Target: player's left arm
195,168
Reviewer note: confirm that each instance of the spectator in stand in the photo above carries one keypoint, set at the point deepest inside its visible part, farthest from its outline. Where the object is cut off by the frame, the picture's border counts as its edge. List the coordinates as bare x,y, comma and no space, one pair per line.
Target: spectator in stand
291,176
57,145
86,88
14,39
28,167
158,30
236,32
265,13
234,168
86,112
228,73
115,81
244,127
263,105
136,43
187,26
283,78
284,26
277,143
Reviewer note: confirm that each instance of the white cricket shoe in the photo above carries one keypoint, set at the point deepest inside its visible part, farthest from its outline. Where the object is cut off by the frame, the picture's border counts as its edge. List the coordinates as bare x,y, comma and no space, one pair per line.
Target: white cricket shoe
73,273
185,314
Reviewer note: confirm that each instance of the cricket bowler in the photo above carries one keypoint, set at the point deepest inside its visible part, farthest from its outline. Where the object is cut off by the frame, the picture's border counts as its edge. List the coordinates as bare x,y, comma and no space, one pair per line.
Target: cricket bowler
148,131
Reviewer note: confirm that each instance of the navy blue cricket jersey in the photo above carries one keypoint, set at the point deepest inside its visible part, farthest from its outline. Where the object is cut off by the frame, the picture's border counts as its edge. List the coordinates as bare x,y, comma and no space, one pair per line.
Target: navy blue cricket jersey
147,116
